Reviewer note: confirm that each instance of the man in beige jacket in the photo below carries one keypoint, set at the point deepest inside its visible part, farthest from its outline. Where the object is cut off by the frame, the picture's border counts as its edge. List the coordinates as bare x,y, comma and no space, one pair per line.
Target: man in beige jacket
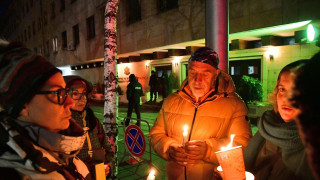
208,105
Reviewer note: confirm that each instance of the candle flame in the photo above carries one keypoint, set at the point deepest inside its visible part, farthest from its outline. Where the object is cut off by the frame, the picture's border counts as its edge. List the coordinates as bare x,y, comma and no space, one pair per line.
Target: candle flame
185,128
152,172
185,131
230,144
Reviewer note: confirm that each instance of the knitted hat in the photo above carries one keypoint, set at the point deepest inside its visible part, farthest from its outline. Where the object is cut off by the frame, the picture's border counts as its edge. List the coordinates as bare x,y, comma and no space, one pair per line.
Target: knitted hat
22,74
205,55
74,80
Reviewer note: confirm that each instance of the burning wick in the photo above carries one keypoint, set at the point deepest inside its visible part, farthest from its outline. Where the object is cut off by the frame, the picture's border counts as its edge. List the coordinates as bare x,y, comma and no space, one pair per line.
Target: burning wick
151,175
185,135
229,145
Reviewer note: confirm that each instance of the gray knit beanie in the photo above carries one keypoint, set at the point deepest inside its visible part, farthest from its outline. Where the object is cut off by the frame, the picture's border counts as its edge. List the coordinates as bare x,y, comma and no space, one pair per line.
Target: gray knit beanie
22,74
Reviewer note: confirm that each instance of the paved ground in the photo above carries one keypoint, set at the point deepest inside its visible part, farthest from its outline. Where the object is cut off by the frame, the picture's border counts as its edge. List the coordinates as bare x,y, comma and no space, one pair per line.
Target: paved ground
133,172
149,113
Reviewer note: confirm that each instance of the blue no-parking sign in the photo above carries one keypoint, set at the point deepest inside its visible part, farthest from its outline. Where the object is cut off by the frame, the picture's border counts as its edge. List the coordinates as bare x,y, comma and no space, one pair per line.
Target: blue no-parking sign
135,141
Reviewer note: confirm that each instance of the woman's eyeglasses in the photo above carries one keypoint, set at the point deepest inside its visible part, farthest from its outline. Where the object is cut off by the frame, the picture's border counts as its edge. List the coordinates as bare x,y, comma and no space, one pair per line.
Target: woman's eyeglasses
75,95
61,94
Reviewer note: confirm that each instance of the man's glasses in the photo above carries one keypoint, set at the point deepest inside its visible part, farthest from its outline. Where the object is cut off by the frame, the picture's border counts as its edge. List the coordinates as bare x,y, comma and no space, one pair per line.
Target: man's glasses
75,95
61,94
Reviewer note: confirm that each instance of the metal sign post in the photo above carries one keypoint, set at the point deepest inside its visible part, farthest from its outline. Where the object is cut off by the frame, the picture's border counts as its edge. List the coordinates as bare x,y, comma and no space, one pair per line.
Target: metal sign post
135,144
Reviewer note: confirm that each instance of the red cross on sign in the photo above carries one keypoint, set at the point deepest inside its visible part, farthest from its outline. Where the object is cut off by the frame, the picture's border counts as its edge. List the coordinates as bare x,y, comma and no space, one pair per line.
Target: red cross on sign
135,141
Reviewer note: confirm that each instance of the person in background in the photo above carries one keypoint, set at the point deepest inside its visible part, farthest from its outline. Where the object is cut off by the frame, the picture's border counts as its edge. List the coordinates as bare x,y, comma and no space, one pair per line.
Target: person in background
208,105
39,139
96,148
134,92
165,84
304,96
153,83
276,150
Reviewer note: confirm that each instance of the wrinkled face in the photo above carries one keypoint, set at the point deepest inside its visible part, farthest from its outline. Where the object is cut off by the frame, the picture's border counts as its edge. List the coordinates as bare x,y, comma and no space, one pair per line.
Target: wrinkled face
79,97
43,109
201,78
286,111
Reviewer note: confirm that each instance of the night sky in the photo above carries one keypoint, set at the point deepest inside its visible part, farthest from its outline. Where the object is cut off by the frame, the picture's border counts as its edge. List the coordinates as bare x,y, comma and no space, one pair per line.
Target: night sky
3,6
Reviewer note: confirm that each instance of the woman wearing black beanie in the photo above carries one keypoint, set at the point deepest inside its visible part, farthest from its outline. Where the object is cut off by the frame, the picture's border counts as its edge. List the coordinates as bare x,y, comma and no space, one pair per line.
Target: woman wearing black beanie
38,138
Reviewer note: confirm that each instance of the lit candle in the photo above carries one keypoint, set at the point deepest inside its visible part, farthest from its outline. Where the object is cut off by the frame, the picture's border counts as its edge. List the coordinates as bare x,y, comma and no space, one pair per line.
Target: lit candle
151,175
185,135
229,145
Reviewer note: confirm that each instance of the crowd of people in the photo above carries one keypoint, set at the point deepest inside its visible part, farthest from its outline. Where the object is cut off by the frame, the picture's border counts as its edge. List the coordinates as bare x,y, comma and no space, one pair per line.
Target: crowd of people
49,131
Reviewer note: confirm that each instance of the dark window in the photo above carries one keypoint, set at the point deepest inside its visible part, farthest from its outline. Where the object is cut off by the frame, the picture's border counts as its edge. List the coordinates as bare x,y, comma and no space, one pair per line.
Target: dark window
27,8
288,40
90,27
31,3
165,5
250,67
64,39
23,11
34,28
39,24
53,14
133,11
45,18
29,32
47,48
62,5
76,38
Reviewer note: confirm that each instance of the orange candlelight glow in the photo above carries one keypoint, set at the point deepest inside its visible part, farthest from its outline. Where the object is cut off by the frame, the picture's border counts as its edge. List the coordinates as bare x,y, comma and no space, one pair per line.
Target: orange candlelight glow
229,145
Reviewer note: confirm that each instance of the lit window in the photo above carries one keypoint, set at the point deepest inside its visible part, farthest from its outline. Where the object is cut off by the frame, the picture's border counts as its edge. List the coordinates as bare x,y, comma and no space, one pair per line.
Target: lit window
55,44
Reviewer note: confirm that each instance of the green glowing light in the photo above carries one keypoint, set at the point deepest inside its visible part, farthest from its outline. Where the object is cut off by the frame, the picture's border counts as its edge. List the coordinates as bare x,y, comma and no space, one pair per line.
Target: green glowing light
268,30
310,33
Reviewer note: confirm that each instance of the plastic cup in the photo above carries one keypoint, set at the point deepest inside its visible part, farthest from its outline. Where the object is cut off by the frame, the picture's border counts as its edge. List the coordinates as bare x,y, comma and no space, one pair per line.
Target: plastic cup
232,163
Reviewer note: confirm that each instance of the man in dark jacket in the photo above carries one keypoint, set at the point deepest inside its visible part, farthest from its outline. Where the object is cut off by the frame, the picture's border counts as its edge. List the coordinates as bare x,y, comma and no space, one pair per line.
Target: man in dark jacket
134,92
153,83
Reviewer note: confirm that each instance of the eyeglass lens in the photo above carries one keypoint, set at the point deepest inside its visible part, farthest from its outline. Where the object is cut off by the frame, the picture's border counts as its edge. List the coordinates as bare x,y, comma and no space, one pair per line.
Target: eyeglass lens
77,96
62,96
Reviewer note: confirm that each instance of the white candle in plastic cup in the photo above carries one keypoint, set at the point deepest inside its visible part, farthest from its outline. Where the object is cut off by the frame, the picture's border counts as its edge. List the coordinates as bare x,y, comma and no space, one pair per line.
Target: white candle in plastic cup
151,175
185,135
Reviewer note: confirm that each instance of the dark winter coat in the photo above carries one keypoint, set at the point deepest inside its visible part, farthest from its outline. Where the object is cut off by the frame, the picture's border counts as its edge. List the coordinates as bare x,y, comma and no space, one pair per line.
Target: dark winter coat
153,82
97,136
134,91
276,150
31,152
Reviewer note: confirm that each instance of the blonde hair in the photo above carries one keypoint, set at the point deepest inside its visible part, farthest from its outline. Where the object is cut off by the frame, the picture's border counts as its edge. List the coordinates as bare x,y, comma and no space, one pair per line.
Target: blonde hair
290,68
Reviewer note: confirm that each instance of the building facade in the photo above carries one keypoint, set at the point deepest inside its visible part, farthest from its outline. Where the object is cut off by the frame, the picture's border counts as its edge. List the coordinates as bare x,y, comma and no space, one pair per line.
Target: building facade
160,35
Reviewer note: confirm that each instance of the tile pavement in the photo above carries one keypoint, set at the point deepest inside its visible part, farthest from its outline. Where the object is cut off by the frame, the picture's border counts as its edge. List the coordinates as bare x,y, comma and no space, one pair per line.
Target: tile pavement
128,172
